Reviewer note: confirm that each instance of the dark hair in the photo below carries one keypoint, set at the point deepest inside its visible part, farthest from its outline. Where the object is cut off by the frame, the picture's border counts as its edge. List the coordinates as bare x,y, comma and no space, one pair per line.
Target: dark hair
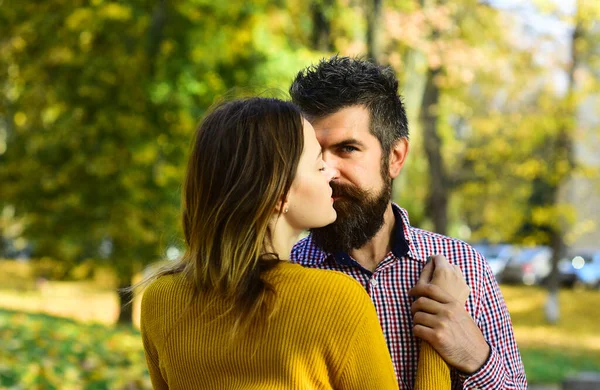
340,82
242,164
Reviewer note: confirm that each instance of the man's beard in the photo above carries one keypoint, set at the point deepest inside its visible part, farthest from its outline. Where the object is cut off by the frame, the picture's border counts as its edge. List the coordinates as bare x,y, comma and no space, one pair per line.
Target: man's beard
359,218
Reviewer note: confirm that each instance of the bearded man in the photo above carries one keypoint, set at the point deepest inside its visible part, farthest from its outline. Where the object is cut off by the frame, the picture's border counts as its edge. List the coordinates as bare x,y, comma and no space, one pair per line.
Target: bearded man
360,122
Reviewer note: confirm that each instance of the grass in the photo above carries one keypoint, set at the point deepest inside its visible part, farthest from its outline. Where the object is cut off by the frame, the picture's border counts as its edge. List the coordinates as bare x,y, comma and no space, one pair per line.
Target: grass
553,365
550,352
46,352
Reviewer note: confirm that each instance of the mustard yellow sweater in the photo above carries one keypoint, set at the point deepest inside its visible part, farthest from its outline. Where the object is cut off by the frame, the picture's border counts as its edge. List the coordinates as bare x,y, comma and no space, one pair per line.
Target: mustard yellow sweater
325,335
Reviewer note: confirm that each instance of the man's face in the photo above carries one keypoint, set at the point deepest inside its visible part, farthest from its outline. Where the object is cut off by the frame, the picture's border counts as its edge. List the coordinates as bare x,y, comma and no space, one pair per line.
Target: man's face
349,147
361,191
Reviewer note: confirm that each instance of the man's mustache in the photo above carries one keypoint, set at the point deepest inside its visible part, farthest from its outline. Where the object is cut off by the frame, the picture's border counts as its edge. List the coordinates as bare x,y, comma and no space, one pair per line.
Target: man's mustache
346,191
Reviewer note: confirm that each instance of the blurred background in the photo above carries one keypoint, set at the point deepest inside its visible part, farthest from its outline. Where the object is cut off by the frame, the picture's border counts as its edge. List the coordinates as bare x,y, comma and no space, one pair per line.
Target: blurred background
99,99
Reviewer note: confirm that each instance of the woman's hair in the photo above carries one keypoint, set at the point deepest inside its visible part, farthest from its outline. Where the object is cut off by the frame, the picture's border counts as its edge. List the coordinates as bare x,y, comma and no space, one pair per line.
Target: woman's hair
243,161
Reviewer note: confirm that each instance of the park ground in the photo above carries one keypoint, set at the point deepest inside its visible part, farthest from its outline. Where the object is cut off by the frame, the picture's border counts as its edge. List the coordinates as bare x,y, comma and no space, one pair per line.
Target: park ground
63,334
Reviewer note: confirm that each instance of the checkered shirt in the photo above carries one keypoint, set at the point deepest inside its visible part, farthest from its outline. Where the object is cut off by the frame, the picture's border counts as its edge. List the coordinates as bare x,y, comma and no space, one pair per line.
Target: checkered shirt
399,271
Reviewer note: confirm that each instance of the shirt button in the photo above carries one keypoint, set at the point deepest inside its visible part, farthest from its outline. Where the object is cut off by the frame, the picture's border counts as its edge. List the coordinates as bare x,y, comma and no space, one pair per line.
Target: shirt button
373,282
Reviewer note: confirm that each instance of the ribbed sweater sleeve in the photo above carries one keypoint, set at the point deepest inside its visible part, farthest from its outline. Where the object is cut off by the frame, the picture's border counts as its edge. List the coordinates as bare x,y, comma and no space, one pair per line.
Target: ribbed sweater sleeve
150,324
158,383
432,373
367,364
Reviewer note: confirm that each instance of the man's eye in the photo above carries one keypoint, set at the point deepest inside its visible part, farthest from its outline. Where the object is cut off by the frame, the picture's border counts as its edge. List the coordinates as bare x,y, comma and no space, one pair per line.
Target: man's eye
348,149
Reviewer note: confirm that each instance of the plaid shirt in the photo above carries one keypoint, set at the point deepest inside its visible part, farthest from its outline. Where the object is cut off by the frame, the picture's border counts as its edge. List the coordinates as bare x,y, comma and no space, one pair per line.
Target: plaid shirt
399,271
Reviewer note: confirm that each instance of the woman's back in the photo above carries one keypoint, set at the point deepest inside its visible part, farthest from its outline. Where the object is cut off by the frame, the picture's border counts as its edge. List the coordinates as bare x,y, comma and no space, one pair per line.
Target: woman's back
323,335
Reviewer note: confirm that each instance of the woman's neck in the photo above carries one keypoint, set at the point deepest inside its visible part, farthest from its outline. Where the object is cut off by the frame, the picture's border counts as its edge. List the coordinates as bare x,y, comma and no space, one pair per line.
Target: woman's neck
283,238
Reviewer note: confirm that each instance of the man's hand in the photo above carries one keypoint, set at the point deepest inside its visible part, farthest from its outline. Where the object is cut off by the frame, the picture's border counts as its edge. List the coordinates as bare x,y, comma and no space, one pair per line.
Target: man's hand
441,319
439,272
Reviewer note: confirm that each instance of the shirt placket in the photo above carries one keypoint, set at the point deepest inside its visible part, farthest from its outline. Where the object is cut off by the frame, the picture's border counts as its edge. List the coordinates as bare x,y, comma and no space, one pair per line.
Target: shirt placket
389,317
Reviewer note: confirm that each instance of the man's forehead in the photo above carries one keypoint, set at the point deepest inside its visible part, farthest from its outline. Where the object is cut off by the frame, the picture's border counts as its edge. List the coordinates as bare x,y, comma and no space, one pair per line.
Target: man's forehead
349,131
348,122
344,117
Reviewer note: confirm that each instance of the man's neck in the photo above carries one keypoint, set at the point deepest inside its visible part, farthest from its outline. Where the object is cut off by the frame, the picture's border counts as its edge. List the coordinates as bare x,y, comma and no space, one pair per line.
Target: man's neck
374,251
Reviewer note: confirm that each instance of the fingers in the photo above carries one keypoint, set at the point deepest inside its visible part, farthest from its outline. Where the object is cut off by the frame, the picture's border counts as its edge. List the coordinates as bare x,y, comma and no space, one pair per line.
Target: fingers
442,270
430,291
426,305
448,277
433,263
427,272
441,261
425,333
458,271
426,319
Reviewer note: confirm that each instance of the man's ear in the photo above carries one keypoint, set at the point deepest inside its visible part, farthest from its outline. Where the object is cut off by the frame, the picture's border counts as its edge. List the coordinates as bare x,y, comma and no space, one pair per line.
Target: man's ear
398,156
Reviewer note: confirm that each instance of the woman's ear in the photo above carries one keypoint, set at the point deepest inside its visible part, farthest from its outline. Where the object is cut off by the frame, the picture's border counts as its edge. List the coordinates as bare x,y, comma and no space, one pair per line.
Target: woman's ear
283,206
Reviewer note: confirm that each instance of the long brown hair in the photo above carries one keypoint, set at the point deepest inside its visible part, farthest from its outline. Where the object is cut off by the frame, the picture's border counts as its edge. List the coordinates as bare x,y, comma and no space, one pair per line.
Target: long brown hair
243,161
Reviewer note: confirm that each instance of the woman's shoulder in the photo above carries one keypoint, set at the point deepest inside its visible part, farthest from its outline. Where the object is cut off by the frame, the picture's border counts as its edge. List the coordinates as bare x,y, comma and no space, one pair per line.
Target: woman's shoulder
164,283
326,279
323,287
167,291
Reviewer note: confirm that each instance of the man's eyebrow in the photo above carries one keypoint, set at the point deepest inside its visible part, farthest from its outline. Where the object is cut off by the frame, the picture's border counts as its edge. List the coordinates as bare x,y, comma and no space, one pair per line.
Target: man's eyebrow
348,141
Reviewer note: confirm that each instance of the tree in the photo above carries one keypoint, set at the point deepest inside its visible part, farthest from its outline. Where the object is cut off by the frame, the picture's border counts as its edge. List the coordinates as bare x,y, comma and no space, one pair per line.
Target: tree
100,104
561,153
373,10
456,49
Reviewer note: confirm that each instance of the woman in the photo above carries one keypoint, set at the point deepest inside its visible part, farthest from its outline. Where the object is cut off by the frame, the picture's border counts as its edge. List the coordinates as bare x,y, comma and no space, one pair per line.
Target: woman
231,313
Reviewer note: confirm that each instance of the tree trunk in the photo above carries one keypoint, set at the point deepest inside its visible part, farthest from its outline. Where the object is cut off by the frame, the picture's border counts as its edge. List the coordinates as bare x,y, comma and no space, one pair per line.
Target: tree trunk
321,33
436,206
552,307
156,32
125,300
373,27
563,151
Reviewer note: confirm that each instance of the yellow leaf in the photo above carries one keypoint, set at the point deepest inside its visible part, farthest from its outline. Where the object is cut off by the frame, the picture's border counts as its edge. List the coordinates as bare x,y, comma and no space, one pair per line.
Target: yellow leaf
115,11
79,18
20,119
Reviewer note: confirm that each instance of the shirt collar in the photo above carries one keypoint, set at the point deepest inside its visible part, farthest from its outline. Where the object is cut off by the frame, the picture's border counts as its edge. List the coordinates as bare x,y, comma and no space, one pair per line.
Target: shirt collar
408,233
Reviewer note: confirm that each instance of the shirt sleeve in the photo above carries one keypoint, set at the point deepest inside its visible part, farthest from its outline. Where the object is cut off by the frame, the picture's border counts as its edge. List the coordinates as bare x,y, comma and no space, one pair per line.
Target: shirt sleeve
432,372
503,368
367,364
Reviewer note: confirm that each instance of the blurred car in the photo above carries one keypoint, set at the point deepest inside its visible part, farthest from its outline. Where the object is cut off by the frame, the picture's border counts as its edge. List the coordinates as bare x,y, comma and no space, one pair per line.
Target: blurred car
533,265
497,256
567,274
587,269
530,266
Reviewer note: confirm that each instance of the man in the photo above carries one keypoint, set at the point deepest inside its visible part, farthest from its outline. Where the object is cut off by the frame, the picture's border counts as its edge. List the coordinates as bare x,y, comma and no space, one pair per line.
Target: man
360,122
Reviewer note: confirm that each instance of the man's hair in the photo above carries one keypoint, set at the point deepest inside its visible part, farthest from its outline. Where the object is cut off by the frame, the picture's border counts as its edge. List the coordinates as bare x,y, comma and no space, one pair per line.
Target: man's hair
341,82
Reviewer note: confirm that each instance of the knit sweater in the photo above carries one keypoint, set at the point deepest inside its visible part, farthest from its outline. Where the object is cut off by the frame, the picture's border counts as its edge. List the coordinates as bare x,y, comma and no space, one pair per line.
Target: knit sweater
324,335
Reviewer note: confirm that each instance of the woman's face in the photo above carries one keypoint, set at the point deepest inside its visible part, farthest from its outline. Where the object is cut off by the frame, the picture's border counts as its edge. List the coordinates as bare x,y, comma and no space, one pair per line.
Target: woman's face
310,204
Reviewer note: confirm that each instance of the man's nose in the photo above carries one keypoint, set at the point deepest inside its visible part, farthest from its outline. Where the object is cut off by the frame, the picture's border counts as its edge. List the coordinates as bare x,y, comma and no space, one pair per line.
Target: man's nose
334,174
332,165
